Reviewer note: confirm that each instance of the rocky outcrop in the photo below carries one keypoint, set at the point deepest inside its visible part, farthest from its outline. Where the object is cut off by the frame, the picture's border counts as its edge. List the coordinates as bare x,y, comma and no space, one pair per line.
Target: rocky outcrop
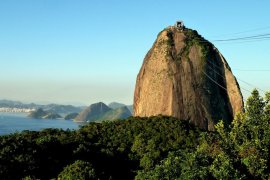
183,75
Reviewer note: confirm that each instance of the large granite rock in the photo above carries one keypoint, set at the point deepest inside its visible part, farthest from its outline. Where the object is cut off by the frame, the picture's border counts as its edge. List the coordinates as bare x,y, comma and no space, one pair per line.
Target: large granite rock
185,76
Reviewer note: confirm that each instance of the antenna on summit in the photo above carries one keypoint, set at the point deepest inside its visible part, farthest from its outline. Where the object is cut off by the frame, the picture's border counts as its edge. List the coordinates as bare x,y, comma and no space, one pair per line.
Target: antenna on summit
179,25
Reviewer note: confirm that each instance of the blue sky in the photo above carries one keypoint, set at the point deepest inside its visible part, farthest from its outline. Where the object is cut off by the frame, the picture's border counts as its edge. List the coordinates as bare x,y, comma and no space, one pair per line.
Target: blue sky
84,51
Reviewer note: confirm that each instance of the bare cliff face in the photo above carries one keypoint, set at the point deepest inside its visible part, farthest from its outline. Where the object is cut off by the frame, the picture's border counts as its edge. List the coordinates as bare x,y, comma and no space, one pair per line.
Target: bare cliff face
185,76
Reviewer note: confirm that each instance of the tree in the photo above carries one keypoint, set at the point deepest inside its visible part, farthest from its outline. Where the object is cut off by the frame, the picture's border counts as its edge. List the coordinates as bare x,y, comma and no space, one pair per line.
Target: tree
79,170
246,145
255,106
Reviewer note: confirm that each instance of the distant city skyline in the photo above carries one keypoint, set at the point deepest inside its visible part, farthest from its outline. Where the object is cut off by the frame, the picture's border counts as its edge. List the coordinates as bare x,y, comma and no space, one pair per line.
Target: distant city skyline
84,51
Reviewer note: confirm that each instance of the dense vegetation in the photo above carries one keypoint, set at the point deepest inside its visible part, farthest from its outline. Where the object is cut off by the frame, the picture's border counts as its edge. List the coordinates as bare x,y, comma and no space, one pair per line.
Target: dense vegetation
144,148
114,150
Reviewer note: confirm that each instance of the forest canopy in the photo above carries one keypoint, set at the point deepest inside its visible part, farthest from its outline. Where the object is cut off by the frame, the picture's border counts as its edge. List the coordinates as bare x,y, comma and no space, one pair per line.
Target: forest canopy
158,147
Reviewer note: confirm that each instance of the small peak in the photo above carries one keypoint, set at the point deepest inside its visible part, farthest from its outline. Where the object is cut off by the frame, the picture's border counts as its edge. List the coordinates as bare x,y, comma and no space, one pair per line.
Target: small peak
98,104
179,26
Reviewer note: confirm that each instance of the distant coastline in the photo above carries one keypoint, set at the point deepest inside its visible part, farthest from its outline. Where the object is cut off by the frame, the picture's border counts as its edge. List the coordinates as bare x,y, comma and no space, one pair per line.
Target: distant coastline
16,110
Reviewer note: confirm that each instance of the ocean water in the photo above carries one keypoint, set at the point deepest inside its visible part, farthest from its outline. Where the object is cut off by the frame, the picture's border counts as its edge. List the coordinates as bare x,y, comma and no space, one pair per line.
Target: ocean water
16,122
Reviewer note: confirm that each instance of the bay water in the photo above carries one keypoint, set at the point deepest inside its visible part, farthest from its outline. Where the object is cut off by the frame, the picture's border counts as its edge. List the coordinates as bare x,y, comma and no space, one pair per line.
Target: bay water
17,122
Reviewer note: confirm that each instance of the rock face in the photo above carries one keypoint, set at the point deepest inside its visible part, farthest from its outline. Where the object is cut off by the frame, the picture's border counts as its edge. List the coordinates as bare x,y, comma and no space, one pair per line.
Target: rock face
183,75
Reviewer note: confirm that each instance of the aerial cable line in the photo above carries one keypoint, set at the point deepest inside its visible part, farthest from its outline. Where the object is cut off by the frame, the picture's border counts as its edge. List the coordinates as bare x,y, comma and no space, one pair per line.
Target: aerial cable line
244,41
236,42
242,32
241,69
214,81
246,37
217,82
251,85
252,70
253,38
225,79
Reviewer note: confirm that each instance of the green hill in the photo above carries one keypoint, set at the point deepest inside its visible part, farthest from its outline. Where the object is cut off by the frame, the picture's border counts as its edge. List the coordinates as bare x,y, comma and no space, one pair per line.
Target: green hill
71,116
93,112
101,112
41,114
114,114
115,105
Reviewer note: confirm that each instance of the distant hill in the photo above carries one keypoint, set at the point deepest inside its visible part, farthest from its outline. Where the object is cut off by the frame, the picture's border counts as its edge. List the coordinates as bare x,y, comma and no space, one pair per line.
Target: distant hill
115,105
53,108
71,116
62,109
41,114
15,104
93,112
38,114
130,108
118,113
51,116
100,112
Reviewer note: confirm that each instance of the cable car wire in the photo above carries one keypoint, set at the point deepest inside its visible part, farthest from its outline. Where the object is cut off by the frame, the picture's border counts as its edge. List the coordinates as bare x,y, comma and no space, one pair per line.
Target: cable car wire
251,85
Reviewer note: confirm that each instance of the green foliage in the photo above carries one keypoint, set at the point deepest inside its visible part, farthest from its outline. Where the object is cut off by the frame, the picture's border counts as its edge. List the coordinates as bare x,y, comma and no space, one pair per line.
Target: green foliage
238,152
169,168
243,150
181,164
193,38
255,107
222,167
115,114
115,150
145,148
79,170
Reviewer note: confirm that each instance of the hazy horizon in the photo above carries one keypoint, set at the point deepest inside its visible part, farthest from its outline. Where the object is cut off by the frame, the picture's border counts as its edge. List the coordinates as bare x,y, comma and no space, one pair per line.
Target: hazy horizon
89,51
62,103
